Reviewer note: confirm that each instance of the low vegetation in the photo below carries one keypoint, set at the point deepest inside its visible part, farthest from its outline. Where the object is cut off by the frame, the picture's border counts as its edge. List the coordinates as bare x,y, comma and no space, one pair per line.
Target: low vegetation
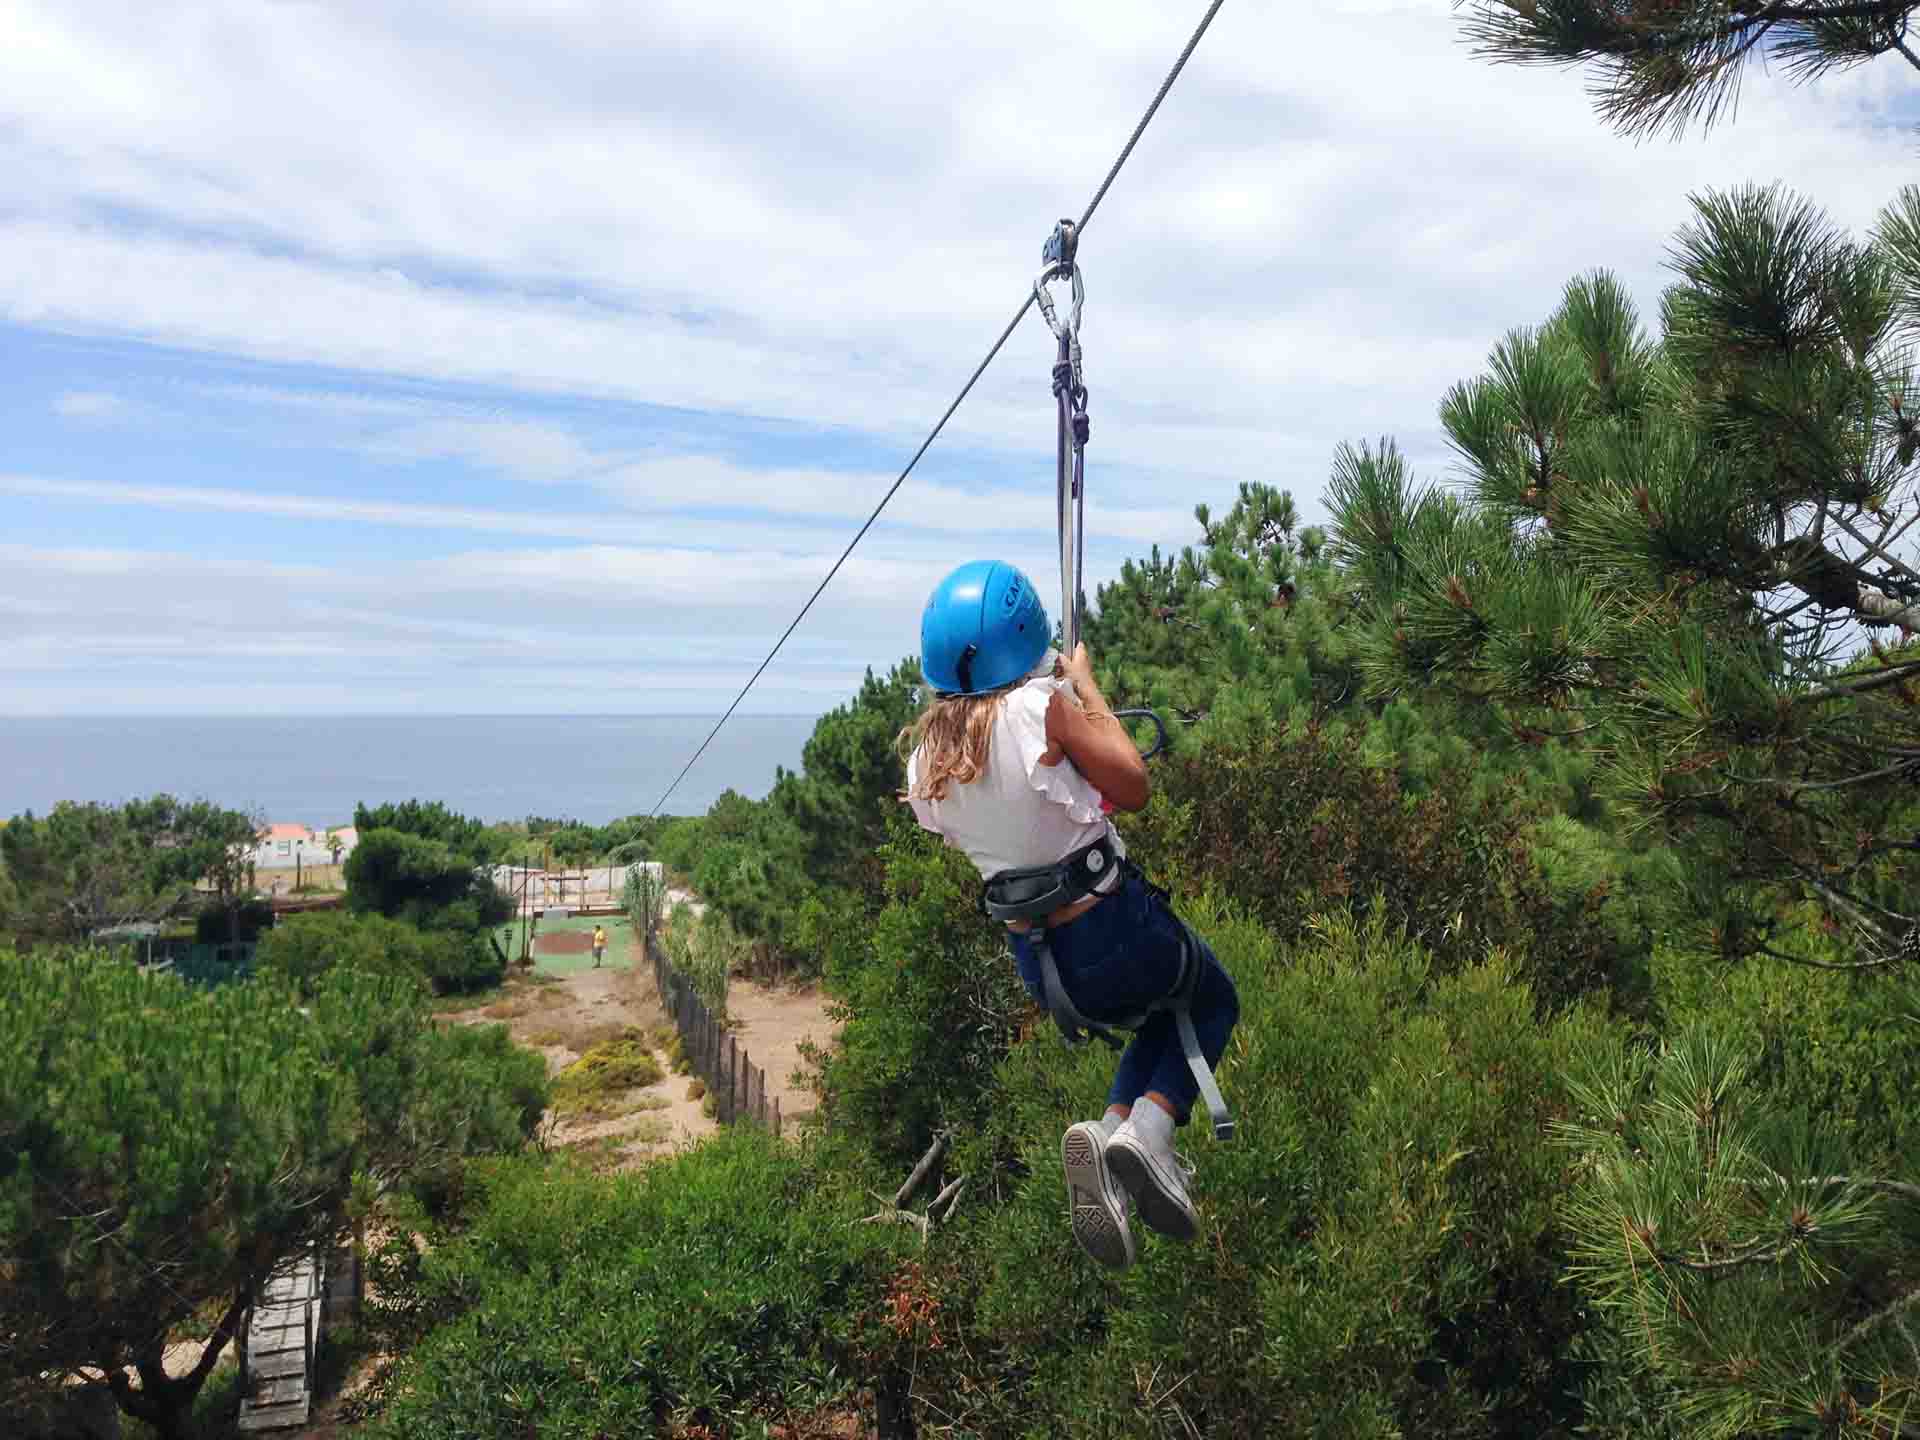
590,1084
166,1146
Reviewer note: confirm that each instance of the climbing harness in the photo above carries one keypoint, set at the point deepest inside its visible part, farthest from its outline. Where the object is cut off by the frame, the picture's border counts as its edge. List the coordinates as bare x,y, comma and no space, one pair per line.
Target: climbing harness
1035,892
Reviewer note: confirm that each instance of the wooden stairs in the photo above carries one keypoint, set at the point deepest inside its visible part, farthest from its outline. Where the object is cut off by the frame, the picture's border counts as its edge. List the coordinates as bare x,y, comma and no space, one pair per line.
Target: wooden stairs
277,1348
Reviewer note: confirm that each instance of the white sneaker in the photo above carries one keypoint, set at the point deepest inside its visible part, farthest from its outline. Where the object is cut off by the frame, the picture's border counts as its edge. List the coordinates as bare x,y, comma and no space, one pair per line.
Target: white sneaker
1156,1178
1095,1198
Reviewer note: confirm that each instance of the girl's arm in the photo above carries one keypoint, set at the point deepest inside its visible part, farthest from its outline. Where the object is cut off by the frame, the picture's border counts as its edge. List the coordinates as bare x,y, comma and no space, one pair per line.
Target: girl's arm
1098,744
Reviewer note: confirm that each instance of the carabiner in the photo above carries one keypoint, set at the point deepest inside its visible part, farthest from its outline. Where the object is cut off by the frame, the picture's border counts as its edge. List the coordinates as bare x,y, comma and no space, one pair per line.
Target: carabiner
1058,255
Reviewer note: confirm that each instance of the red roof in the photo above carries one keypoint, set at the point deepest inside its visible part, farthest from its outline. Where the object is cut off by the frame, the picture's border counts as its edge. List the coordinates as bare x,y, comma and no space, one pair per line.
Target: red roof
286,832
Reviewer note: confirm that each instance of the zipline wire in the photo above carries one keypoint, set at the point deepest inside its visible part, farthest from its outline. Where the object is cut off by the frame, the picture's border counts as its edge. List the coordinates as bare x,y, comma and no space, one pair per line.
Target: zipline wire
1025,305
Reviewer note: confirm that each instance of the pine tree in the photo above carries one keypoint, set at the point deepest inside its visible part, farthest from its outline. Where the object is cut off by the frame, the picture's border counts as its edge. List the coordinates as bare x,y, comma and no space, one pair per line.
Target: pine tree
1689,549
1663,64
1684,553
163,1148
85,867
1239,628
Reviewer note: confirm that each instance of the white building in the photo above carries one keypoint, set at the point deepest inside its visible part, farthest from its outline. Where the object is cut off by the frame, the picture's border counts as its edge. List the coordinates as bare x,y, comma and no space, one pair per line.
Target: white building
286,847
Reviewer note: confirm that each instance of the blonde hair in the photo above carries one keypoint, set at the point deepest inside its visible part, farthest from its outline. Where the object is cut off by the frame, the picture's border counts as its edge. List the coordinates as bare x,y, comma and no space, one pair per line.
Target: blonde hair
953,735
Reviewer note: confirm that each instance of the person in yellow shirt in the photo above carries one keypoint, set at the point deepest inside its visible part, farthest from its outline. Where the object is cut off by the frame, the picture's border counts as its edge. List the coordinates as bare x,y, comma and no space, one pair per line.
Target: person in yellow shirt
599,944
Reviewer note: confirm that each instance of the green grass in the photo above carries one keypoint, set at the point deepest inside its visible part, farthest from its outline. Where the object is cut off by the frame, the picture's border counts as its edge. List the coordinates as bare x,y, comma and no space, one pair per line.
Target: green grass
587,922
619,937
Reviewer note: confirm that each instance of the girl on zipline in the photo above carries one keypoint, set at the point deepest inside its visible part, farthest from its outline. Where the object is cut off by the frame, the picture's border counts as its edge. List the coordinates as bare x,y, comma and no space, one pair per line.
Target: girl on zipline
1010,762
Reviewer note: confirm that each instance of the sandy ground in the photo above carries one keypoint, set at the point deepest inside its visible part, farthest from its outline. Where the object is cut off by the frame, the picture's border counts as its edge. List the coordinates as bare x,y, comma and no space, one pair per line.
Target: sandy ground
564,1015
771,1023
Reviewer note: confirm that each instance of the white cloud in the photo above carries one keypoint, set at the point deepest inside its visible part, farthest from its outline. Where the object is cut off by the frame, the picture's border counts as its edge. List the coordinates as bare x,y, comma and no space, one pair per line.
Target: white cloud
614,620
750,235
86,404
816,213
929,520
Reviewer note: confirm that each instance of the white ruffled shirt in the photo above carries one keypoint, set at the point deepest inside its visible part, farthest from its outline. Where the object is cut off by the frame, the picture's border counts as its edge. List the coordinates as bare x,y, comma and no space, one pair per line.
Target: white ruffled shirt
1018,813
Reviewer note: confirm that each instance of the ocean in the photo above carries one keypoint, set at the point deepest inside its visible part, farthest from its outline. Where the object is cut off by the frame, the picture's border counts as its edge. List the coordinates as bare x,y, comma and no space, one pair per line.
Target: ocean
592,768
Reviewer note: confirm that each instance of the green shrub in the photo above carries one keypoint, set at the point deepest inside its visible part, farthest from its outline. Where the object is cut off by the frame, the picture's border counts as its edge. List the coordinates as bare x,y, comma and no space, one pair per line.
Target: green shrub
307,946
426,880
706,949
928,1001
643,897
1833,1045
605,1070
1297,821
709,1288
210,1134
1380,1254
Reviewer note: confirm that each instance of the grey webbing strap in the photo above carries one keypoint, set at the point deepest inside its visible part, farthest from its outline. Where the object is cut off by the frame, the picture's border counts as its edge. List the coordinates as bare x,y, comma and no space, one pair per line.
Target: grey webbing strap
1074,1027
1182,1007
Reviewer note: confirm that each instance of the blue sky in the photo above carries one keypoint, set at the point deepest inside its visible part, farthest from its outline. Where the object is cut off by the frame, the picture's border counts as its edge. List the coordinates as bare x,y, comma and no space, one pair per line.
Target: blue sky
356,357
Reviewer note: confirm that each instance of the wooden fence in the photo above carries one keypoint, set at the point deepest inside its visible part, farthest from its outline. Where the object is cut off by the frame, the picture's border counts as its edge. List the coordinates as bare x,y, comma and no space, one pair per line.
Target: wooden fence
738,1086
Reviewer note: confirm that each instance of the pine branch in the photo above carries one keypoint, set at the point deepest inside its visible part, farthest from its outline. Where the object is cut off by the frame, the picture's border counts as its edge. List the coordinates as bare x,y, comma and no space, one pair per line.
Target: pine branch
1892,675
1887,1312
1756,1254
929,1162
1903,1188
1795,787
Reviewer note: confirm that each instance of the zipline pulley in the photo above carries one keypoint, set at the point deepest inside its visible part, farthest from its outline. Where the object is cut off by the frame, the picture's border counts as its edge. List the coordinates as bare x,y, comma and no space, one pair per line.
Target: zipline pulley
1070,397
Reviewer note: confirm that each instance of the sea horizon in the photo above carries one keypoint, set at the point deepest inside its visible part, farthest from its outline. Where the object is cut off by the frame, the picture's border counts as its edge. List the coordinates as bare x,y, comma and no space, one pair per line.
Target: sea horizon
314,769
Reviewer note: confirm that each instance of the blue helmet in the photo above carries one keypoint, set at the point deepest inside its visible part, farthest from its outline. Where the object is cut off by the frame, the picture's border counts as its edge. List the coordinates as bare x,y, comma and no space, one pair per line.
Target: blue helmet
984,627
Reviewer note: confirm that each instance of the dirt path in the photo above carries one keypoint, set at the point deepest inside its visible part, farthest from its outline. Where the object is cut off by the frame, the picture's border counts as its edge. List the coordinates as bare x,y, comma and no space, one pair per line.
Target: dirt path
564,1015
770,1023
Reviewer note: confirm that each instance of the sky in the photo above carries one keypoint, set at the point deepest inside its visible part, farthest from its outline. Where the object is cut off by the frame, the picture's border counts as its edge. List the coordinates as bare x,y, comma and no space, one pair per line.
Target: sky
539,356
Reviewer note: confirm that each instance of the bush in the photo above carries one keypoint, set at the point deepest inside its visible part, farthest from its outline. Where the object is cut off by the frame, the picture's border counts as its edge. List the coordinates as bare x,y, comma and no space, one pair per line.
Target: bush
706,949
410,877
707,1289
305,947
644,896
606,1069
1821,1043
1294,823
928,1001
1381,1254
212,1134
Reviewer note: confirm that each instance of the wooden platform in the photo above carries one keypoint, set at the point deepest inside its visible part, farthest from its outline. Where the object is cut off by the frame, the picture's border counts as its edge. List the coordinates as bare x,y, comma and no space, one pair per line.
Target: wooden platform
277,1349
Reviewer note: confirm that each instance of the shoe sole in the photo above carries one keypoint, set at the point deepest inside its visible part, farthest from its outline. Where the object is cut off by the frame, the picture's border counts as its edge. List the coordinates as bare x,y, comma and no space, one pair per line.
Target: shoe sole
1096,1228
1160,1211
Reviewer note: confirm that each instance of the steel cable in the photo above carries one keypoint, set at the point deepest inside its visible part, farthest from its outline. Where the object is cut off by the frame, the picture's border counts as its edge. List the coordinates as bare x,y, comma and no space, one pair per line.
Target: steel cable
1092,205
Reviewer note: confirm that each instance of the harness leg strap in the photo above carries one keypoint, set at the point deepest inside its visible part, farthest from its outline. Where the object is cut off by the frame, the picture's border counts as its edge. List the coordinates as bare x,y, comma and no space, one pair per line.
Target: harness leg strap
1181,1003
1074,1027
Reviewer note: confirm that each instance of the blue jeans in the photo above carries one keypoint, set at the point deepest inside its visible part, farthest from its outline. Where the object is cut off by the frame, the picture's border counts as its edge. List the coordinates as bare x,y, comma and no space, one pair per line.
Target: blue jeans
1117,959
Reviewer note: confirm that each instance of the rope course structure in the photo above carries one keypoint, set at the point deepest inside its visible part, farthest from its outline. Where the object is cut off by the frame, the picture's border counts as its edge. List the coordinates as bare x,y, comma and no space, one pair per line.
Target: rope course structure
1060,264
